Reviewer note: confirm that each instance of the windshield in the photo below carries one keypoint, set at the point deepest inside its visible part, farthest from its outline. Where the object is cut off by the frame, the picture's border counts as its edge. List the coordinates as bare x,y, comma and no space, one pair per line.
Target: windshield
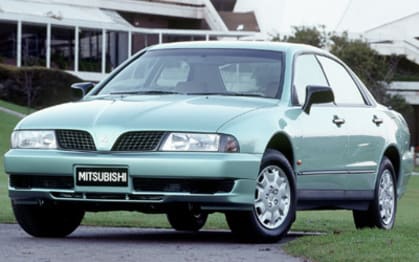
201,71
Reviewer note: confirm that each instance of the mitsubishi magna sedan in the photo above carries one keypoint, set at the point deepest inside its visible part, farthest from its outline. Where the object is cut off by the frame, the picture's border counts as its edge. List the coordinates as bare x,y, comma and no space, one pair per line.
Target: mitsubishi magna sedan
256,131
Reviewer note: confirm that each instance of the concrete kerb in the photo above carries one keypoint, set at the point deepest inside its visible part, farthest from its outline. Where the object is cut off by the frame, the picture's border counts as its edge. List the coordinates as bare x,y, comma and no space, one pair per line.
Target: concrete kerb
11,112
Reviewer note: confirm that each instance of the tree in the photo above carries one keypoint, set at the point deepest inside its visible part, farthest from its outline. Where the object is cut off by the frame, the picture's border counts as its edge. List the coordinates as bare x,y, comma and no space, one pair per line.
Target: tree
375,71
36,87
308,35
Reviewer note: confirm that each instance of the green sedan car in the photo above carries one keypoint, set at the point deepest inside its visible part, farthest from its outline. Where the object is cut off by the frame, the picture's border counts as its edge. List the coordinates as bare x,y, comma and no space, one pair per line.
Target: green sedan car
254,130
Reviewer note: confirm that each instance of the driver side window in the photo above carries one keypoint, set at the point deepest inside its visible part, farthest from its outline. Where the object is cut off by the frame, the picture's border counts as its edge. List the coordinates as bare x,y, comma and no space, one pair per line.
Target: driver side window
307,71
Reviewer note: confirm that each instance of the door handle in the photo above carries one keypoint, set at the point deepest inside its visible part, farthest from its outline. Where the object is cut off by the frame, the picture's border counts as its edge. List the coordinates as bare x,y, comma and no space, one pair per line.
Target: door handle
376,120
338,121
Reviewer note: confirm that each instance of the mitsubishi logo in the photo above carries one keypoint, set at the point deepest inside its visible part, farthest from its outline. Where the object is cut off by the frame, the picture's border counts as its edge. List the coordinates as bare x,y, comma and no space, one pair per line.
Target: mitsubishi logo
104,140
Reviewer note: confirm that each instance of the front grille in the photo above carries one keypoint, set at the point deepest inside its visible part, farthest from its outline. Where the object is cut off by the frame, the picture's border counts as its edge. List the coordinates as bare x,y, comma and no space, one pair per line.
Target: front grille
138,141
193,186
33,181
75,140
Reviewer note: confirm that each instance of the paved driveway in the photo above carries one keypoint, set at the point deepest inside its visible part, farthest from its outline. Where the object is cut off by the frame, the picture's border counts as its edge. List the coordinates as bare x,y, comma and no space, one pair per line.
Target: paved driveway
133,244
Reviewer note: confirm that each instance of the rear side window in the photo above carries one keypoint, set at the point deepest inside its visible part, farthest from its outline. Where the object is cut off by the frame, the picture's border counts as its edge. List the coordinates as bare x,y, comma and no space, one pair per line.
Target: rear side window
344,88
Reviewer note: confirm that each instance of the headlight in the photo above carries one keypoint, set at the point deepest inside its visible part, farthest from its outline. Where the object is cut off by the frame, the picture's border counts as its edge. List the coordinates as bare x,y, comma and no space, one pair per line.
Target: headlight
200,142
34,139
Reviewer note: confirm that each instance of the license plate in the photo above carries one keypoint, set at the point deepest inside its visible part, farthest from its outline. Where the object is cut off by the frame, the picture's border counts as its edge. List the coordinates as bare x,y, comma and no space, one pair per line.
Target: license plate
101,176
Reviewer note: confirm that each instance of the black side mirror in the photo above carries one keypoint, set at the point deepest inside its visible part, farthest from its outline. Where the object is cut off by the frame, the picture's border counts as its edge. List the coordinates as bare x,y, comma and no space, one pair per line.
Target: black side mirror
317,95
85,87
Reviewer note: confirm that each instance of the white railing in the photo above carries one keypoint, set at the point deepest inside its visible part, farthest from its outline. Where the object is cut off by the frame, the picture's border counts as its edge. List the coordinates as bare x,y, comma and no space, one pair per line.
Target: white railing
409,90
104,28
409,48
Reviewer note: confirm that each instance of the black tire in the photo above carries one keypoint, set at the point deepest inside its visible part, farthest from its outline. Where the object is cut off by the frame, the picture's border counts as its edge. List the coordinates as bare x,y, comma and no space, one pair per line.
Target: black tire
52,221
247,226
373,217
186,220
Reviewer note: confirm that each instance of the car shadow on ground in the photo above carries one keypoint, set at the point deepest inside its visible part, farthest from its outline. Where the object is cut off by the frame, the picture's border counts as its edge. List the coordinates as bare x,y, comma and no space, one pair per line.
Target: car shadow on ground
168,236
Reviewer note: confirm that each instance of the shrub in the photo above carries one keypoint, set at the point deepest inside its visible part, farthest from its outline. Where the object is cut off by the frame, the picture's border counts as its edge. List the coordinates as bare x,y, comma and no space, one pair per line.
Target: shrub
36,87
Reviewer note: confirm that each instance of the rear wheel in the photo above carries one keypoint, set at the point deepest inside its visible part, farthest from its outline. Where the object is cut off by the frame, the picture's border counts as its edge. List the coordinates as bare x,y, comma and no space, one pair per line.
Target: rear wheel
382,210
184,219
274,203
51,221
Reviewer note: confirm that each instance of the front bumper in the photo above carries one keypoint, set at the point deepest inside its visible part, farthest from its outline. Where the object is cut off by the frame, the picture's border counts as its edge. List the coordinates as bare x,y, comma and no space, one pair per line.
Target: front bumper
240,169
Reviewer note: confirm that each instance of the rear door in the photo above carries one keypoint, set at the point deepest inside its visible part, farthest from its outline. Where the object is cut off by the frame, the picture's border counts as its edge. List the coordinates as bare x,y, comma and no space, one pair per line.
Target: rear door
364,124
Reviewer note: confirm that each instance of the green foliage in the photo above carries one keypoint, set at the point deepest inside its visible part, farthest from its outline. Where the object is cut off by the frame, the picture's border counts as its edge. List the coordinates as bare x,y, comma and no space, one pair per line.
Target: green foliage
374,70
308,35
406,70
398,103
305,35
7,123
36,87
364,61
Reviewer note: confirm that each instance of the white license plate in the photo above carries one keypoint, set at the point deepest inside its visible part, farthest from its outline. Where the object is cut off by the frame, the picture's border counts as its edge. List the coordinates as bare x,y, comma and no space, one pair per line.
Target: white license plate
102,176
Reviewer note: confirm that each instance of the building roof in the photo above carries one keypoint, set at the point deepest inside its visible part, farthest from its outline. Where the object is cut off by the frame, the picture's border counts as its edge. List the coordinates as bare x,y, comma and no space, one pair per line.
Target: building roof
60,14
85,12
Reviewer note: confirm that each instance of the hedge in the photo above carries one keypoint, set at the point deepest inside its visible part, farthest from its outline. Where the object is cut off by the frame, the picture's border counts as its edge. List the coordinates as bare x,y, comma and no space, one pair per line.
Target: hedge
36,87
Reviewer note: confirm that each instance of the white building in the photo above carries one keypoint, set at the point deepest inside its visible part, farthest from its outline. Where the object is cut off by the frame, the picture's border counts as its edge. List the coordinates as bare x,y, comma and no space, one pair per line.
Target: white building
90,38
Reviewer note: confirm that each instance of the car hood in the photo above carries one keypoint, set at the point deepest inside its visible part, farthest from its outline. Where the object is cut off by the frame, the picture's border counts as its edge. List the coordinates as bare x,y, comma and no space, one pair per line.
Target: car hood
115,115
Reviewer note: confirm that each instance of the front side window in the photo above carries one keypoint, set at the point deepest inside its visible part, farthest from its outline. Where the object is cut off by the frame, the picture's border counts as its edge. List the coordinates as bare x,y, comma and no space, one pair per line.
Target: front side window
344,88
202,71
307,71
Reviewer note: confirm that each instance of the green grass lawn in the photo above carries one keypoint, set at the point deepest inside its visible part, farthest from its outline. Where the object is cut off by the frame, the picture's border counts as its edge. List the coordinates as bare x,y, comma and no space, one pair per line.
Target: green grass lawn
340,242
343,242
17,108
7,123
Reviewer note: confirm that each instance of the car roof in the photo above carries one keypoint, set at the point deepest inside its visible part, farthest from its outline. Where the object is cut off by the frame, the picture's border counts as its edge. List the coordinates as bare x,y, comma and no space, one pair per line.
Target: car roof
256,45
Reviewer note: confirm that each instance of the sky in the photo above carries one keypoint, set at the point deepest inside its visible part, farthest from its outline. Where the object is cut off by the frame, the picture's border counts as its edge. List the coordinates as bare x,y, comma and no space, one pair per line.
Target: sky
354,16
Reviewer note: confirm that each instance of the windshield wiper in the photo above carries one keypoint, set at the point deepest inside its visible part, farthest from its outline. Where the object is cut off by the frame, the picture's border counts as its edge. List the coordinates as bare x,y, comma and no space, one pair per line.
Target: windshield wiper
226,94
160,92
145,92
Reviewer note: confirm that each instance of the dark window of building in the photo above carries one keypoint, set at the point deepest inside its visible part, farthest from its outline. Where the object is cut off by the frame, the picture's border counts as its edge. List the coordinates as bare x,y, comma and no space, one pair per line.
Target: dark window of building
33,45
116,49
62,47
90,50
8,45
140,41
167,38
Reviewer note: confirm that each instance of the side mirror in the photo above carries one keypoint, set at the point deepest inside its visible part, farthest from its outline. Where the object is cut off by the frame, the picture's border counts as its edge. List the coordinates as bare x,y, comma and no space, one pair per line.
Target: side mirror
85,87
317,95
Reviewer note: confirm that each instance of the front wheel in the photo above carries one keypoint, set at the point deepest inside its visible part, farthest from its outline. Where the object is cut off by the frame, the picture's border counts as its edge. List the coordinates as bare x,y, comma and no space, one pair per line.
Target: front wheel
51,221
274,205
382,210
